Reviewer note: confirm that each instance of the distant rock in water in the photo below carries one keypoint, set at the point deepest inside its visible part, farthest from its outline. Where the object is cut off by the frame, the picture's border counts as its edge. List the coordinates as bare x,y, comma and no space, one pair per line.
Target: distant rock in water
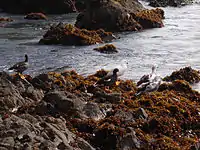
188,74
67,34
108,48
6,19
165,3
35,16
45,6
117,16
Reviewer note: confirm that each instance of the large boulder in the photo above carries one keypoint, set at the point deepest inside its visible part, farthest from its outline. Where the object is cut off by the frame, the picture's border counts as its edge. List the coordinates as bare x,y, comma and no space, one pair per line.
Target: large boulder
67,34
164,3
45,6
99,12
122,16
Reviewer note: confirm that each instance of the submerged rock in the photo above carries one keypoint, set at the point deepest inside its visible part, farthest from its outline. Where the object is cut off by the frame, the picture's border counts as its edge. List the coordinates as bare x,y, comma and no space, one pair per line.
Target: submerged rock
108,48
6,19
67,34
35,16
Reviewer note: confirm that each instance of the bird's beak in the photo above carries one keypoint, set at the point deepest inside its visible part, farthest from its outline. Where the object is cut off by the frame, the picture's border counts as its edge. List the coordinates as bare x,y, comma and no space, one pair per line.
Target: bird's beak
117,83
22,76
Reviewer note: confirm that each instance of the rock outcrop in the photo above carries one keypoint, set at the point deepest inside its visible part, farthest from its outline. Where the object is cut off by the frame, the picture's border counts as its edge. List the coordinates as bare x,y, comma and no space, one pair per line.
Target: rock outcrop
64,110
188,74
67,34
122,16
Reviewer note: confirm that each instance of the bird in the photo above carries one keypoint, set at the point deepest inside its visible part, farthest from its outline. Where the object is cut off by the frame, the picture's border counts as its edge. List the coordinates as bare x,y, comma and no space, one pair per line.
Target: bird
20,66
148,77
121,67
108,80
149,86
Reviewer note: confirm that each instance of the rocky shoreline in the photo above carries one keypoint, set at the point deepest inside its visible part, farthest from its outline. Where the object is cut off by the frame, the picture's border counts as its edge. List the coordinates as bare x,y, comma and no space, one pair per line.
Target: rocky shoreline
64,110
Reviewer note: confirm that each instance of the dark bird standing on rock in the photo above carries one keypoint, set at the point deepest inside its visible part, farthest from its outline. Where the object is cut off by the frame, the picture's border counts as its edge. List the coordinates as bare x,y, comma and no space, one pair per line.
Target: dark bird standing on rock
110,79
20,66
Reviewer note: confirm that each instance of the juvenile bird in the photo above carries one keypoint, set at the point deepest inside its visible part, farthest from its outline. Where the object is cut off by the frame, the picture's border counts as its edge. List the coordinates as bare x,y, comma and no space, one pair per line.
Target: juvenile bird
148,77
109,79
20,66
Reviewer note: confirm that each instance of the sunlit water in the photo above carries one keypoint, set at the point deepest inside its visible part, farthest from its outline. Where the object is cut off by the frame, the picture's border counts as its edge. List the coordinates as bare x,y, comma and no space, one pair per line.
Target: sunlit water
175,45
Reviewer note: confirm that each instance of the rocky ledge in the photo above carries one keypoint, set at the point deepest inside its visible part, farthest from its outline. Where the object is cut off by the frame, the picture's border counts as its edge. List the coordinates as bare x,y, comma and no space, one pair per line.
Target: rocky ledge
67,34
64,110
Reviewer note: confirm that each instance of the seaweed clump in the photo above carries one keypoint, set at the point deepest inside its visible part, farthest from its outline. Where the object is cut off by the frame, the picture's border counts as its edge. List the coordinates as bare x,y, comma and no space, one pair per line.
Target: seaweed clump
150,18
108,48
188,74
67,34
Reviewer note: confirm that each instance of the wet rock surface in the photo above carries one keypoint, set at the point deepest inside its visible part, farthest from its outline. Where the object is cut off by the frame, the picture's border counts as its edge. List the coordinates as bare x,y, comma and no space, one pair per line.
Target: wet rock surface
64,110
67,34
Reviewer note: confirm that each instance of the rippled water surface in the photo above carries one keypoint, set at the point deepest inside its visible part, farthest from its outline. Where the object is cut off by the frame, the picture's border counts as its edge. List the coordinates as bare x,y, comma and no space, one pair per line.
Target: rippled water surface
174,46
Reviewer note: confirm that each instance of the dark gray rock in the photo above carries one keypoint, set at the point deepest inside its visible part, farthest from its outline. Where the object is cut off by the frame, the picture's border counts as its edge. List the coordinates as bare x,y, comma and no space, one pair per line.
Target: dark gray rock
92,110
9,95
129,141
7,142
125,116
102,97
117,12
24,132
63,101
141,114
84,145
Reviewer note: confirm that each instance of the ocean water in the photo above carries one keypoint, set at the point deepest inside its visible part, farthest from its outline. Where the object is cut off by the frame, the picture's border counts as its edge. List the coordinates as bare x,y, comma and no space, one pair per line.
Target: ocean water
172,47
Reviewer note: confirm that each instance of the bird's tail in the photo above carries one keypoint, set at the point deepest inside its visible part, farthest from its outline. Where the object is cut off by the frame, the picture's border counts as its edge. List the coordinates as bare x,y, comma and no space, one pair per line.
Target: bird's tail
11,68
138,93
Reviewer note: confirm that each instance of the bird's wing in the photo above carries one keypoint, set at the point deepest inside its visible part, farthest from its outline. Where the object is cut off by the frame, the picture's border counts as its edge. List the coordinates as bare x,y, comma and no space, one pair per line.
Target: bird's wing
143,79
15,66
